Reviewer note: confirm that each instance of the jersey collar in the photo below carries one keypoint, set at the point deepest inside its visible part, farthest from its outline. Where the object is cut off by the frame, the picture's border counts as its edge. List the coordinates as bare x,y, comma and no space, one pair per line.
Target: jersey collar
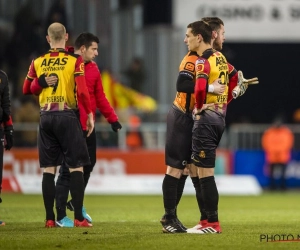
57,50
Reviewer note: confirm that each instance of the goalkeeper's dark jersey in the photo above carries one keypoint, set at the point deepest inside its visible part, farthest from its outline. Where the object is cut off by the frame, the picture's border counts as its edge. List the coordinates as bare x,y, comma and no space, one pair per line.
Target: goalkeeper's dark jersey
66,66
183,101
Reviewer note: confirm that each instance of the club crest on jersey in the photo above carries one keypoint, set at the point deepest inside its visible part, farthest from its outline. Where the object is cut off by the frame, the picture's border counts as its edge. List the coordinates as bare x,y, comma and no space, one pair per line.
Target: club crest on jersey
81,67
200,67
202,154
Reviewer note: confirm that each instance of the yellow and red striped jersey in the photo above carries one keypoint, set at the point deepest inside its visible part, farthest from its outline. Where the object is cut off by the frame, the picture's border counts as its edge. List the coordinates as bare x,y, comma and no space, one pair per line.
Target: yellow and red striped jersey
211,66
65,66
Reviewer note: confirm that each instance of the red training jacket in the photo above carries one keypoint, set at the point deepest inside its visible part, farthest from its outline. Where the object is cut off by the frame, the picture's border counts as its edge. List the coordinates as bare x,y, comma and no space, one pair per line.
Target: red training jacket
97,95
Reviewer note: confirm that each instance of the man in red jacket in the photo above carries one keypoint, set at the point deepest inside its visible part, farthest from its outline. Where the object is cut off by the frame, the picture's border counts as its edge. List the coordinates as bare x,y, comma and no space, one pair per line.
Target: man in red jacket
86,45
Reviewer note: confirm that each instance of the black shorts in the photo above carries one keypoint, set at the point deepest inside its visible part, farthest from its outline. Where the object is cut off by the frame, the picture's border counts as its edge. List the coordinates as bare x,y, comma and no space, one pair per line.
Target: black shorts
92,149
179,138
61,138
207,133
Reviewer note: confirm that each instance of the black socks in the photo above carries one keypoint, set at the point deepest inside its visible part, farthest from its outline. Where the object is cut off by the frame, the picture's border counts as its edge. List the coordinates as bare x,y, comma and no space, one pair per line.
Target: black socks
210,197
48,189
199,198
169,188
77,192
180,187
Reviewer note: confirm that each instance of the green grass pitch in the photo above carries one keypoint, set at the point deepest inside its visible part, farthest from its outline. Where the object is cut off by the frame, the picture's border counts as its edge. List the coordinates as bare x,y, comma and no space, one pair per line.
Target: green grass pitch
132,222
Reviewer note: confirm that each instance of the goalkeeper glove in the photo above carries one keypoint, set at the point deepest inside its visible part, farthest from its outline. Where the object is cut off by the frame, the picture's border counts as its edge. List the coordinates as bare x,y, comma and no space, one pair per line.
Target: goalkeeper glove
242,85
116,126
8,133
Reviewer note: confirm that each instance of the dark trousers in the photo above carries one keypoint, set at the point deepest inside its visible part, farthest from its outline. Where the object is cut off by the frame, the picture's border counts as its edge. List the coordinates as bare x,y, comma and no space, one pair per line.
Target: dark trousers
274,167
63,180
1,158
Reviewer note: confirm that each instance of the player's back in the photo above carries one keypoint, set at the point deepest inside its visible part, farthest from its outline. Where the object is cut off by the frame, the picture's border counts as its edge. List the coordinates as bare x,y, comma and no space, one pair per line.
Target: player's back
65,66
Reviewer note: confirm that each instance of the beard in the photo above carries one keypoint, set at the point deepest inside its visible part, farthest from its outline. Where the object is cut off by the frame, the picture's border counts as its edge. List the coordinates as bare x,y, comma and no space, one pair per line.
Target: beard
217,45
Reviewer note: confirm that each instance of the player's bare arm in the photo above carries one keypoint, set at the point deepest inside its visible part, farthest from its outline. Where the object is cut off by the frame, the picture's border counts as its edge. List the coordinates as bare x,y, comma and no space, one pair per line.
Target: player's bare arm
186,84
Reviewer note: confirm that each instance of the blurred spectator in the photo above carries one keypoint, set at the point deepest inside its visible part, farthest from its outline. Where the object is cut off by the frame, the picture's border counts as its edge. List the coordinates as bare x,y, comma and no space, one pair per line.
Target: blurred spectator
106,138
26,41
135,74
57,13
277,142
134,139
28,112
296,116
6,29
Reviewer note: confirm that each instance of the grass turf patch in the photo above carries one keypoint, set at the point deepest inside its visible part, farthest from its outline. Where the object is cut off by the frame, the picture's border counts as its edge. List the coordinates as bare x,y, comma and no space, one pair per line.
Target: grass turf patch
132,222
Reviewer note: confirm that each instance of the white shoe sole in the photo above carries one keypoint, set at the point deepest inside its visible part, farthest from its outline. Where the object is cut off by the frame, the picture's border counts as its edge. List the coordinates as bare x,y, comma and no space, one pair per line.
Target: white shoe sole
206,230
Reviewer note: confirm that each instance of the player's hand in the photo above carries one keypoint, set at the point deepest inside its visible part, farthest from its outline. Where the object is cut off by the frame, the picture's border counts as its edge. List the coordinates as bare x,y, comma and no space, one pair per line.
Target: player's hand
90,124
9,138
47,81
51,80
116,126
218,87
197,112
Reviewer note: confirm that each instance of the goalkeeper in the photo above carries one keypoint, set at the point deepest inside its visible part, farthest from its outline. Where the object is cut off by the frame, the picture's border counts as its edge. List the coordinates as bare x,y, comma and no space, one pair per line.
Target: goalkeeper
237,87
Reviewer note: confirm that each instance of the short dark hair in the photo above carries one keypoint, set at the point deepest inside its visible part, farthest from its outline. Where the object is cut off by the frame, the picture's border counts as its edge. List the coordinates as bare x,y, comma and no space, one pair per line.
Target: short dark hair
202,28
214,22
85,39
